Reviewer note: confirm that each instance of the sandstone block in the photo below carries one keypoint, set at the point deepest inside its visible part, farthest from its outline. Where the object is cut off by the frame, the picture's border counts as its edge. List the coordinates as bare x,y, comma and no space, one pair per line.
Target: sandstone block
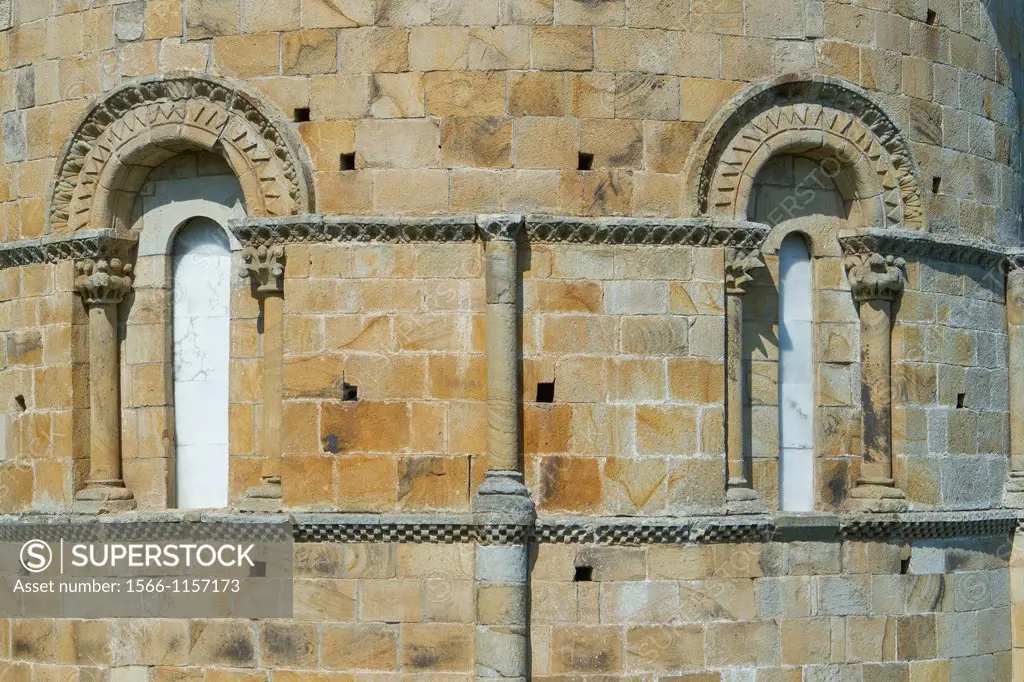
307,482
755,643
476,142
410,191
438,48
366,646
337,13
390,601
228,643
211,18
325,600
609,13
309,52
437,647
646,96
570,484
494,48
374,49
396,95
533,93
563,48
397,144
280,16
247,56
668,648
591,95
340,97
614,144
367,483
433,483
666,144
545,143
288,644
586,649
462,93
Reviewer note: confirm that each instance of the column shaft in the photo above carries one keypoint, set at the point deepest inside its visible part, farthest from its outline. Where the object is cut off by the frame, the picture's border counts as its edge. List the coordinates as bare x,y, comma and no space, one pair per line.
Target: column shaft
273,387
102,283
104,400
503,356
502,508
876,390
735,389
876,281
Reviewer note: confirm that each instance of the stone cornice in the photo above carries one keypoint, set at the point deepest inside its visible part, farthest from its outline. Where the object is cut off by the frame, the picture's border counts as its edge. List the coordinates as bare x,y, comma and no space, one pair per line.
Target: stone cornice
76,246
462,528
537,228
913,245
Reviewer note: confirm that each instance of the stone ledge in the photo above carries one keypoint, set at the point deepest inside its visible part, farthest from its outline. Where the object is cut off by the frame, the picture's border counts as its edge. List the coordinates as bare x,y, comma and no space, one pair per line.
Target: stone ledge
912,244
54,248
461,528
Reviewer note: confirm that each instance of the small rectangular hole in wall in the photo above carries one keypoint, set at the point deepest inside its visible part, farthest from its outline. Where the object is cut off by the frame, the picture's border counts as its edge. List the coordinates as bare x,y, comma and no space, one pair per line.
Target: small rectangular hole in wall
936,184
905,566
546,392
584,574
348,162
258,569
932,18
20,399
586,161
961,399
302,115
349,392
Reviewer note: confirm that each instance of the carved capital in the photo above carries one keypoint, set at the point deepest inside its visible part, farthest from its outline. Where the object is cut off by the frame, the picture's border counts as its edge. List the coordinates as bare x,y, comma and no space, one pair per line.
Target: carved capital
102,281
500,227
739,266
265,266
1014,262
875,277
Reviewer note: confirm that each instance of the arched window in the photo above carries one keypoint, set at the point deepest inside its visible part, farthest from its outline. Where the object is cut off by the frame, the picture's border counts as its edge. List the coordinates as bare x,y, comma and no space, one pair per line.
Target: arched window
201,324
796,377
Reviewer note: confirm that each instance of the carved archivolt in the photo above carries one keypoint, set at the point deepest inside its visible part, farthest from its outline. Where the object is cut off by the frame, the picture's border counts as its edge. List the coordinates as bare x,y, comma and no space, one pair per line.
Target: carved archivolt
144,123
857,143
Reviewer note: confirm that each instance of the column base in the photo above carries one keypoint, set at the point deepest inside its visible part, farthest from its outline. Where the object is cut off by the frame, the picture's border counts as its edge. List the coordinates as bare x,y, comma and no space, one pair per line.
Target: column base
1013,491
106,497
743,500
504,494
265,497
878,495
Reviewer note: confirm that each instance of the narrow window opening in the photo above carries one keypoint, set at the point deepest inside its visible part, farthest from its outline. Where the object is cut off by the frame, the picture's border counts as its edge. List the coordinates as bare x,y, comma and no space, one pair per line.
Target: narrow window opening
302,115
202,342
961,399
349,392
348,162
586,161
905,566
546,392
20,399
933,18
583,574
936,184
796,377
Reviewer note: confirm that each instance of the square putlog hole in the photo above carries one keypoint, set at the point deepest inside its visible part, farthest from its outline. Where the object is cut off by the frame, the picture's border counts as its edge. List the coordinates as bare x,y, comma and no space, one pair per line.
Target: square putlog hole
583,574
546,392
301,115
349,393
961,401
348,161
586,161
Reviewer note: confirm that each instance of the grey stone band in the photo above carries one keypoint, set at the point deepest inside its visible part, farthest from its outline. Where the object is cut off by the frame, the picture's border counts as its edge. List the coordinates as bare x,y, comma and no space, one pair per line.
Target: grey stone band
75,246
462,528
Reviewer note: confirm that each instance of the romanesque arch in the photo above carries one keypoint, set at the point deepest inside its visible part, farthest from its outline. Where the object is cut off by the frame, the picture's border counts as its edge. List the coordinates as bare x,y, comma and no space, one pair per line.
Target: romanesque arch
816,116
144,123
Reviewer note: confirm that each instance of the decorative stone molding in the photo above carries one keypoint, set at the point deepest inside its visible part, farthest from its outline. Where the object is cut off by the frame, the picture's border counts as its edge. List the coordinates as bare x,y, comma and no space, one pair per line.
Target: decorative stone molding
1014,261
738,268
500,227
808,114
103,281
264,265
54,248
875,277
462,528
920,245
145,122
538,228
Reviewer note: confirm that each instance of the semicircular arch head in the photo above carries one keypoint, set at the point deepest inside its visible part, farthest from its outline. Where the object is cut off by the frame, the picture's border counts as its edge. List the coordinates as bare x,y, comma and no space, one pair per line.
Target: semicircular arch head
820,117
143,123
